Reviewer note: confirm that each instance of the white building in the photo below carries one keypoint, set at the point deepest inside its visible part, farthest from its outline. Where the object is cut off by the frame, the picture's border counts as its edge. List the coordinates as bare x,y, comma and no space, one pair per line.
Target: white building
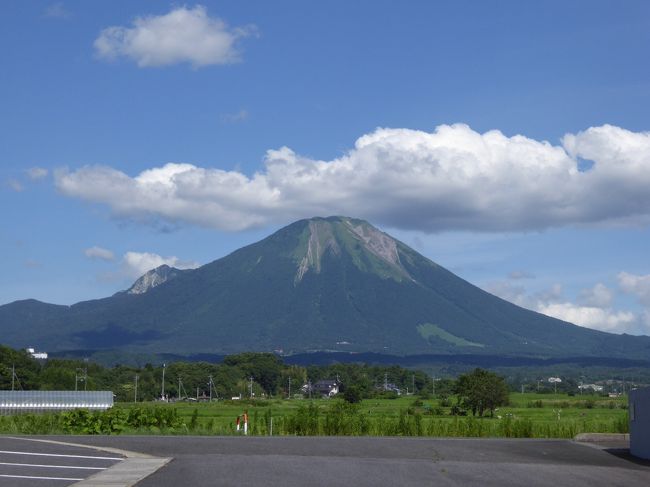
37,355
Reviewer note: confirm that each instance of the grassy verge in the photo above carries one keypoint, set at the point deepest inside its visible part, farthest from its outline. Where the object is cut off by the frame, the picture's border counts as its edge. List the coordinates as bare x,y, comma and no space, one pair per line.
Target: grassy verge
527,416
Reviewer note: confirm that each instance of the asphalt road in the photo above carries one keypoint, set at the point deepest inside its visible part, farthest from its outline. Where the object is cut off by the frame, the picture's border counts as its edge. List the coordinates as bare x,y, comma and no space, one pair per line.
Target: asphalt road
345,461
25,463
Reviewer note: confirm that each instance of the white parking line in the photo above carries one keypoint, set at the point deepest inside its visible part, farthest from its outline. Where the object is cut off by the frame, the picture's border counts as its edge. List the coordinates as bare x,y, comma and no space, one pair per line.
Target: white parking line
51,466
58,455
36,478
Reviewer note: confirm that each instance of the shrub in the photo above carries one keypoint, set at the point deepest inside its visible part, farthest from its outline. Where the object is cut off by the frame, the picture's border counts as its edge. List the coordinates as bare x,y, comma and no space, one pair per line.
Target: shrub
352,395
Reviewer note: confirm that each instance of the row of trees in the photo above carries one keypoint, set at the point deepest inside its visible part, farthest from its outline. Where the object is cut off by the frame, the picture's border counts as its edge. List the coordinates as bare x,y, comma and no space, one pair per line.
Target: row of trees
259,373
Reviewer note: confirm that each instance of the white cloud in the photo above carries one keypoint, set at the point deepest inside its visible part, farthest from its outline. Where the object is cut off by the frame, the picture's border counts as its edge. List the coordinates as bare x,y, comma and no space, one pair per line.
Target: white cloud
135,264
599,296
182,35
99,253
451,179
594,307
637,285
36,173
591,316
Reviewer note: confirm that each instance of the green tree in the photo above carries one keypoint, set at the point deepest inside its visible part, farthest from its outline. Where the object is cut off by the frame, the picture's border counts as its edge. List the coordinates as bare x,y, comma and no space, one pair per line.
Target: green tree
481,390
352,395
264,368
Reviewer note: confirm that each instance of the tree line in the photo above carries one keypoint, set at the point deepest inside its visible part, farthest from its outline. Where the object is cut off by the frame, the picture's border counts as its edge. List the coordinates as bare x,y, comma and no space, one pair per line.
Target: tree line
240,375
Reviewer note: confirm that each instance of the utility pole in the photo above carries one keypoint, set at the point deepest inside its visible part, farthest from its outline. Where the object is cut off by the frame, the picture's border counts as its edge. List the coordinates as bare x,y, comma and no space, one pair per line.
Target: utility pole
85,374
289,395
433,385
386,381
251,387
135,395
413,382
13,375
162,392
210,386
179,387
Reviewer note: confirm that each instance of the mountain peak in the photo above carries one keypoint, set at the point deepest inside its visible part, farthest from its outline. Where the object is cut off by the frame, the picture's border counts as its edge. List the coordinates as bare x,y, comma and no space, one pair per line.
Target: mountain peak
153,278
370,249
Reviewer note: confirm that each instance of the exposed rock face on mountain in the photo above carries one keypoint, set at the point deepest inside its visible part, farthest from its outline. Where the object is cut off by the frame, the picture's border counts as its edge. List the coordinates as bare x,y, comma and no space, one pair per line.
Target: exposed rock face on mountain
332,283
155,277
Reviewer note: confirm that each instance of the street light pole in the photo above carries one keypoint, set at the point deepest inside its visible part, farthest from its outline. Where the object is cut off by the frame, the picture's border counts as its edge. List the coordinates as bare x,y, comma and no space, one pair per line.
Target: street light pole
162,393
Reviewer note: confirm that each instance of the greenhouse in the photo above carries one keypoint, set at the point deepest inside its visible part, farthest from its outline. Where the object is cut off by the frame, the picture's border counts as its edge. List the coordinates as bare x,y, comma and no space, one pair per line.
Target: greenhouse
15,402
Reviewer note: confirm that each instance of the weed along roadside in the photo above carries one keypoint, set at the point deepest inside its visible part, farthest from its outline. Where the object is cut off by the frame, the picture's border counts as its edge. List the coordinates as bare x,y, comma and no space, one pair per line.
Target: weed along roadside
526,416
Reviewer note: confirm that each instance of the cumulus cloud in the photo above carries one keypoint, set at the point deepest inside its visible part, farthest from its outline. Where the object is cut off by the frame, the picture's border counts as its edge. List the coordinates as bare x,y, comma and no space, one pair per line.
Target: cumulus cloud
593,309
36,173
99,253
450,179
591,316
600,296
135,264
182,35
636,285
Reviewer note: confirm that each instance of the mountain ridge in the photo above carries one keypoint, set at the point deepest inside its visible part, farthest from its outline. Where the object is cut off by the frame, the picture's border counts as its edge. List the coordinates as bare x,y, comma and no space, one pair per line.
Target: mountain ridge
332,283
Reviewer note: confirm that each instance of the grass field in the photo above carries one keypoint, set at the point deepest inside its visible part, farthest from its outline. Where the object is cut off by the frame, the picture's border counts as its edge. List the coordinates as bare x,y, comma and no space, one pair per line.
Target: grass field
528,415
531,415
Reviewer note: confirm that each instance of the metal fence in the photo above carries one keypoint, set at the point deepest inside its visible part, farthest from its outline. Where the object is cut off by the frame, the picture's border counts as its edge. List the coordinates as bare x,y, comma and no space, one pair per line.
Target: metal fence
15,402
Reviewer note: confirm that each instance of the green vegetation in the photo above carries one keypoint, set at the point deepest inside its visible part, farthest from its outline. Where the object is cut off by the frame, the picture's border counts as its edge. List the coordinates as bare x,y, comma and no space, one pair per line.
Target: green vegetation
559,416
362,292
427,331
368,403
481,391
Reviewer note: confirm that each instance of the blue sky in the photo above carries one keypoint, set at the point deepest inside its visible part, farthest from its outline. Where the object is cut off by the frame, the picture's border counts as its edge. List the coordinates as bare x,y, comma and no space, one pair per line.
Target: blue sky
507,141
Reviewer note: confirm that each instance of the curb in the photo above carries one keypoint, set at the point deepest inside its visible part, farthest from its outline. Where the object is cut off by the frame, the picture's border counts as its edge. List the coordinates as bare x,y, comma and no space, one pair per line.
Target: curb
601,437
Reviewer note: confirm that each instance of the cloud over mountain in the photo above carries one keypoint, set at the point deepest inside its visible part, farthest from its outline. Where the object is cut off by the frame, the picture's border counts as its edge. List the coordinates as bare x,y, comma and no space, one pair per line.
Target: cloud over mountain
453,178
134,264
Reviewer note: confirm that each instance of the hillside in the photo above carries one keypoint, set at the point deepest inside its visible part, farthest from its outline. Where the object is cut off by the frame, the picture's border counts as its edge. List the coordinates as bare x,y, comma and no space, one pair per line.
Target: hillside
320,284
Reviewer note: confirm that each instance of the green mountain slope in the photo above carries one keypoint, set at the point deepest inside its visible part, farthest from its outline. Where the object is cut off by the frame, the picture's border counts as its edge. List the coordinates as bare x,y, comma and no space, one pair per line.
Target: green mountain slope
321,284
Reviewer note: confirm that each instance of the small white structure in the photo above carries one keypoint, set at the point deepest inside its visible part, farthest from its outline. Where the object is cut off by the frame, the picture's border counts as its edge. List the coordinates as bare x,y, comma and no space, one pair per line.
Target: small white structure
17,402
36,355
639,404
593,387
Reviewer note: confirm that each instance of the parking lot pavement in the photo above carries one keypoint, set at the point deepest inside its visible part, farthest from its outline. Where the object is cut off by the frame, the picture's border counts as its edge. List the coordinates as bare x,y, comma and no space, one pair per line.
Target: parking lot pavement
24,462
367,461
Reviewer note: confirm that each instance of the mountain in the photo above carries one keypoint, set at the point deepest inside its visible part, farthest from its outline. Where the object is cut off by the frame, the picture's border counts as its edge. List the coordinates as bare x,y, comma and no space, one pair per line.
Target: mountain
154,277
332,283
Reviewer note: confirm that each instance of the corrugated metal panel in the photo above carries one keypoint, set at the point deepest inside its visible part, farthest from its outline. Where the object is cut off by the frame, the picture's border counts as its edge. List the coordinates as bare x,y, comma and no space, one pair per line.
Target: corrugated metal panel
14,402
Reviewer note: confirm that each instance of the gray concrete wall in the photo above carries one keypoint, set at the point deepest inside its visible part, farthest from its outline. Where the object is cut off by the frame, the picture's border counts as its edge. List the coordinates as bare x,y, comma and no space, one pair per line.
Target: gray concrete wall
639,409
